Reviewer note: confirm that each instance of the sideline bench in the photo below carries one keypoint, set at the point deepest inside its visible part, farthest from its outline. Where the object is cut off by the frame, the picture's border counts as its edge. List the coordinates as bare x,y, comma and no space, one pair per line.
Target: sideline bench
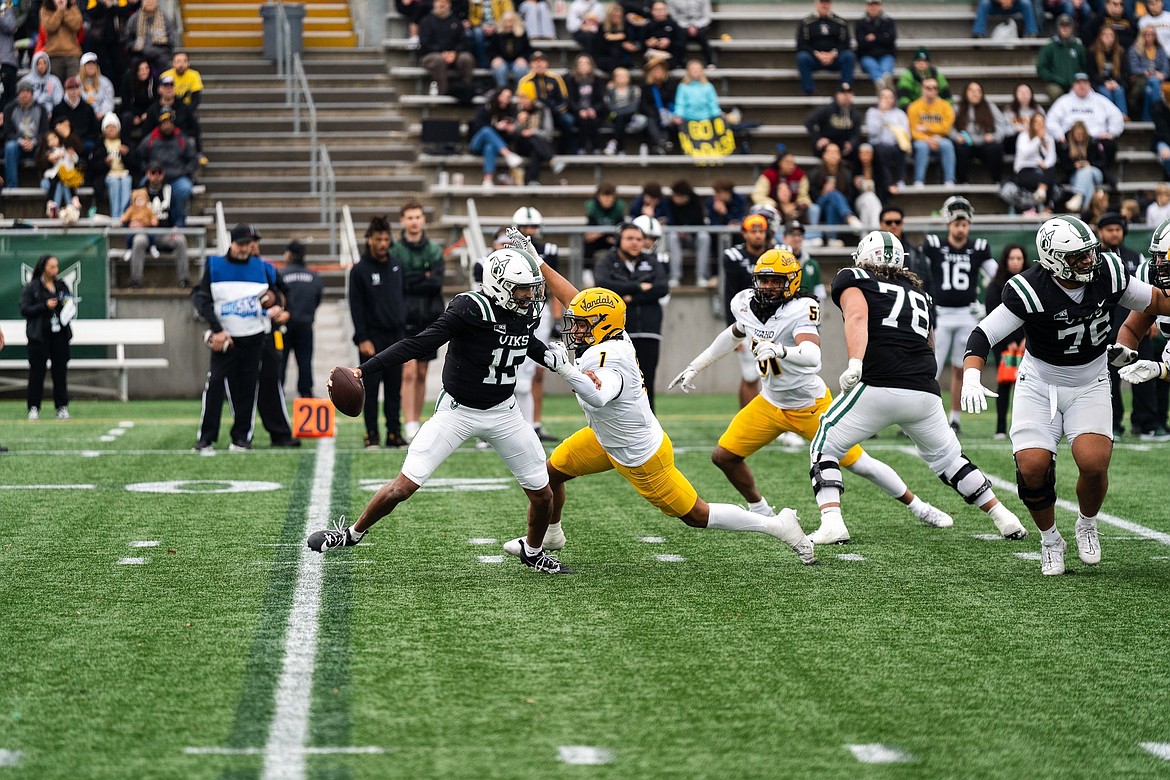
100,333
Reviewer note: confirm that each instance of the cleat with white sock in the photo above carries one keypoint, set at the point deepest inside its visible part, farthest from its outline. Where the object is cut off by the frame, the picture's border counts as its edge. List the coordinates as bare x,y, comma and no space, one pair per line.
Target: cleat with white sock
332,538
1008,524
1052,558
554,539
832,531
542,562
935,517
1088,545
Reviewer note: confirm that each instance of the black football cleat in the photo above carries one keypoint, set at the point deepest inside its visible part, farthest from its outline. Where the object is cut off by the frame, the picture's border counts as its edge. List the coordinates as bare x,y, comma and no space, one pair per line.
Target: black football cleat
289,442
394,440
543,563
331,538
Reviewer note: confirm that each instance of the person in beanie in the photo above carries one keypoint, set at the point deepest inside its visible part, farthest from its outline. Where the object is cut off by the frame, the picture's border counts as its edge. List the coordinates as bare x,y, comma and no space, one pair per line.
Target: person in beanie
304,296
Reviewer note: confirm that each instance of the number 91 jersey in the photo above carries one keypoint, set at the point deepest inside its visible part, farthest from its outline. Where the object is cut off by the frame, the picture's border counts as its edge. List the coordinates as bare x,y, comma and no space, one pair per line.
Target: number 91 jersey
783,384
900,320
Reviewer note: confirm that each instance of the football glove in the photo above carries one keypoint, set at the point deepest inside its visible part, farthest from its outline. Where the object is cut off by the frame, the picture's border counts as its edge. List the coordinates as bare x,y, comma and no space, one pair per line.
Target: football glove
556,358
518,240
685,380
1143,371
851,376
974,394
766,350
1120,355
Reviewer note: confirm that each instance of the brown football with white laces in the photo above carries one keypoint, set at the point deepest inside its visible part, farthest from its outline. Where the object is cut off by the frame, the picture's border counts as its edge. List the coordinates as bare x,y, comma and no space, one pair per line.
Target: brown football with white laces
346,391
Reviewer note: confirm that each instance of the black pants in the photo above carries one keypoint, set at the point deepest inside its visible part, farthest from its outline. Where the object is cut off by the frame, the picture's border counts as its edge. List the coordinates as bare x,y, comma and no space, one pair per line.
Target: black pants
298,341
701,38
270,392
55,349
991,155
647,352
239,368
391,380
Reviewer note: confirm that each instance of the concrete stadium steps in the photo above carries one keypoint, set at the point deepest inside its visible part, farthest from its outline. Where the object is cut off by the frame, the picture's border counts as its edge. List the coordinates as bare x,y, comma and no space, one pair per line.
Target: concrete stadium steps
279,120
355,184
258,92
348,62
238,25
297,153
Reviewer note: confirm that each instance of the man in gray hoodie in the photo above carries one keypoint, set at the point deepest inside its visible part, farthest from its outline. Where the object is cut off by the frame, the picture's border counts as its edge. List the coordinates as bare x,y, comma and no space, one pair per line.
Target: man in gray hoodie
24,123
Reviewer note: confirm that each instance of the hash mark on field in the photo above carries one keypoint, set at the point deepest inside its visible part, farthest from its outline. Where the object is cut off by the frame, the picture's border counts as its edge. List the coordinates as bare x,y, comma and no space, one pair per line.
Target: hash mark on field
876,753
1028,556
10,757
255,751
144,543
850,557
670,558
1159,749
116,431
490,558
481,540
133,561
107,438
324,562
584,755
46,487
652,539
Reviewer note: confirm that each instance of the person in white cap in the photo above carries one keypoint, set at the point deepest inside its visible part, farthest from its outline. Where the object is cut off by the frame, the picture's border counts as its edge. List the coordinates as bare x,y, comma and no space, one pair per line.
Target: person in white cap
96,89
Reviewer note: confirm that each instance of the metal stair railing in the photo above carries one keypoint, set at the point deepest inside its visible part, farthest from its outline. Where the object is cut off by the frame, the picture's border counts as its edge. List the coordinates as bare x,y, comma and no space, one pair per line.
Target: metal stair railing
328,195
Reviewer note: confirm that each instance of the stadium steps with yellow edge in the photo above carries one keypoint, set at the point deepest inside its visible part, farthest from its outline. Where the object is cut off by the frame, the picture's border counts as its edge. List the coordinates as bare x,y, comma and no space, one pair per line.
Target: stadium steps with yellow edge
237,25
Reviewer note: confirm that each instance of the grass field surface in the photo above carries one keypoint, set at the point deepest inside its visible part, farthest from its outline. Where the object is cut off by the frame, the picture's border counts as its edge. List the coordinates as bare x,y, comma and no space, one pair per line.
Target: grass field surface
160,618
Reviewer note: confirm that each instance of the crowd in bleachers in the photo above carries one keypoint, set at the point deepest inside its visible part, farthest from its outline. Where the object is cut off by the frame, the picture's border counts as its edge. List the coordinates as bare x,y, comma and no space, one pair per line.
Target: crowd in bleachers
99,95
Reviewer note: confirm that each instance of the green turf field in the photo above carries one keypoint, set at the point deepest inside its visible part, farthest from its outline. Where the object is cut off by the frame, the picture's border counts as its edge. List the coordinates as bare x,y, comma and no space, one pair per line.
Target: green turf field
945,653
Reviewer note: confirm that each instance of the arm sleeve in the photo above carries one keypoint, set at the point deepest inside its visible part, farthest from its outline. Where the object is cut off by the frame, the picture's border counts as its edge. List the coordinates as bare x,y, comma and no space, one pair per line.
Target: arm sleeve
611,385
806,354
1137,295
724,344
536,350
438,334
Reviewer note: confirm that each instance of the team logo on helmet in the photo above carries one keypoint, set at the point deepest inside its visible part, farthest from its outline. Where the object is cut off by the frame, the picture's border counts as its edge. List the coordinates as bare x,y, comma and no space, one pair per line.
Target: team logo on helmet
1069,249
776,276
593,316
512,280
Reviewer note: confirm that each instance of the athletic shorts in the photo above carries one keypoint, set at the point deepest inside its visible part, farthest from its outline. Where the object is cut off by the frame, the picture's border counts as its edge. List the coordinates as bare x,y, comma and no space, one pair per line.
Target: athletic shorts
1042,413
501,426
658,480
761,421
951,330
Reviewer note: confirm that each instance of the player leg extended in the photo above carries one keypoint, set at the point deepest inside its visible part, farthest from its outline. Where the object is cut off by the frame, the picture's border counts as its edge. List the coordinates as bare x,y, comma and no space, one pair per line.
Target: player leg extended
753,427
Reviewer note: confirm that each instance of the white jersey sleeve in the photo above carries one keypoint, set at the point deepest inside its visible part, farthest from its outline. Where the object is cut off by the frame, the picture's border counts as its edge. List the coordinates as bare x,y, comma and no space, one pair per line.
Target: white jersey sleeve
782,383
626,427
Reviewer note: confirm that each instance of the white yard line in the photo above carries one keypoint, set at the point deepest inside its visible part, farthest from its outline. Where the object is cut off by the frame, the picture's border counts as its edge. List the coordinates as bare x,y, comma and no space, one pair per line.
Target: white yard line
310,751
284,754
10,757
584,755
670,558
875,753
133,561
1159,749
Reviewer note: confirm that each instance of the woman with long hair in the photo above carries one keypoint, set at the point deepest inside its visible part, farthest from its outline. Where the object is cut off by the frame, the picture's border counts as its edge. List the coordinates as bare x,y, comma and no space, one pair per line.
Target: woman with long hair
1018,112
1012,260
587,101
1148,66
1083,160
1107,68
509,50
492,130
978,134
44,302
139,92
1035,161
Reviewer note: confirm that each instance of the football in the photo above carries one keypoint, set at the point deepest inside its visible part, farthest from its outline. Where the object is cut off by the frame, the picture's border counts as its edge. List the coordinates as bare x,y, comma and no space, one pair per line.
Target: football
346,391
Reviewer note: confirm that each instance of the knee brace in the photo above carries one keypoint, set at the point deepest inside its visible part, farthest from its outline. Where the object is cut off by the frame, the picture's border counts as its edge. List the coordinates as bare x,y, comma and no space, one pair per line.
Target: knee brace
1042,497
967,480
826,474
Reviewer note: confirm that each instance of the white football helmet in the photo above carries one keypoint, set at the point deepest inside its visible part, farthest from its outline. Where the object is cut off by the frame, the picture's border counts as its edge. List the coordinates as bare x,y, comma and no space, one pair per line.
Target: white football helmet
650,227
957,207
880,248
506,272
1159,262
1068,248
770,214
526,216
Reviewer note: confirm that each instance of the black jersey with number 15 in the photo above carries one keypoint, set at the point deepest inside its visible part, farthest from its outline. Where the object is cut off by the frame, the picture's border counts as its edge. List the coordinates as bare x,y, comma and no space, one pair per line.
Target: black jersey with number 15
899,352
487,345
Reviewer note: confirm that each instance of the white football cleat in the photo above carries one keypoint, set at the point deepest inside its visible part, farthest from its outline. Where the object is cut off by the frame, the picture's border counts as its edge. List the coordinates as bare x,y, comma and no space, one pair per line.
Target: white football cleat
1052,558
1088,545
807,552
554,539
936,518
832,531
1008,524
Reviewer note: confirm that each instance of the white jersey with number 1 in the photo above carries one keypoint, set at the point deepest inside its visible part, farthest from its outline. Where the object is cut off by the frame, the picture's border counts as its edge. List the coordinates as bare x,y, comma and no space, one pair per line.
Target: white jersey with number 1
783,384
626,426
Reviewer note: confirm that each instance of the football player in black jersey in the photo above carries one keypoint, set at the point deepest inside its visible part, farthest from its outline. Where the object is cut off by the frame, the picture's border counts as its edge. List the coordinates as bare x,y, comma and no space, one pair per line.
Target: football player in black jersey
530,377
956,266
1064,304
489,335
890,381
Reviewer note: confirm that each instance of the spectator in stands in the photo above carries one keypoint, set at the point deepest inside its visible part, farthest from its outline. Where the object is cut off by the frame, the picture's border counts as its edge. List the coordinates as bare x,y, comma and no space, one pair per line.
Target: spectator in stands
167,146
604,209
480,24
61,21
47,88
1161,145
987,8
641,281
1159,208
25,121
139,92
978,134
493,130
84,125
663,33
1035,164
553,93
1103,120
910,82
931,122
1061,58
893,220
150,35
1159,18
888,130
695,100
1095,206
1083,160
877,40
96,90
694,18
1018,113
823,43
1148,65
686,211
538,19
1108,68
104,21
587,102
413,11
836,123
9,59
650,203
160,195
43,301
59,161
658,96
442,47
623,101
534,133
187,81
830,185
810,281
583,22
304,292
615,46
783,185
872,185
725,206
509,50
108,166
169,101
1012,260
1116,18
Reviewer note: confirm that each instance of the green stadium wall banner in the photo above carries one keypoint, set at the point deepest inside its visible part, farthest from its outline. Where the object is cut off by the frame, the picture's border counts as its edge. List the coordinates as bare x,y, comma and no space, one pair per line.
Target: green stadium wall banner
707,139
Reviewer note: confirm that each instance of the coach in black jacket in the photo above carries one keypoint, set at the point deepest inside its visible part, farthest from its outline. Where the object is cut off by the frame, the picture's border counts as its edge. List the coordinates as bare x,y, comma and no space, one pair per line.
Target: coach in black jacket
641,281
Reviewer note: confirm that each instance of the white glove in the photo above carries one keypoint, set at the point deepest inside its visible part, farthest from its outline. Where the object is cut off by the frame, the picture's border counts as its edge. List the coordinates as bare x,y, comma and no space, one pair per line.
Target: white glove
766,350
556,358
977,310
851,376
1141,371
518,240
975,395
1120,355
685,380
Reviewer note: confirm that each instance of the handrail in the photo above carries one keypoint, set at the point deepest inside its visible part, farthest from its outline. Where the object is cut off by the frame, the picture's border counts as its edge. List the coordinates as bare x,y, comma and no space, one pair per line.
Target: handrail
284,50
222,238
302,82
350,252
328,197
